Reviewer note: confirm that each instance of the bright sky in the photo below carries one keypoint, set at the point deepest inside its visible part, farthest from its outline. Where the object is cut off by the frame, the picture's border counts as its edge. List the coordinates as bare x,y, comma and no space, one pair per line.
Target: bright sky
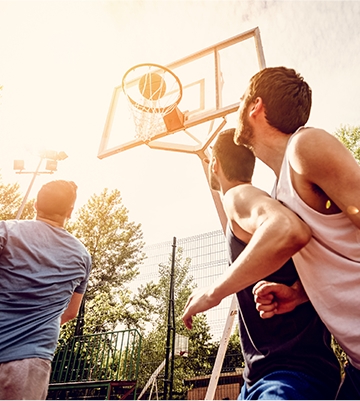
60,61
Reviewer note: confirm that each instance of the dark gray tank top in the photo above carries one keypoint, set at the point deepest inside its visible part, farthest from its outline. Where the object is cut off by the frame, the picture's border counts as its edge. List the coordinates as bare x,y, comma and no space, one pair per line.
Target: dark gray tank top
296,341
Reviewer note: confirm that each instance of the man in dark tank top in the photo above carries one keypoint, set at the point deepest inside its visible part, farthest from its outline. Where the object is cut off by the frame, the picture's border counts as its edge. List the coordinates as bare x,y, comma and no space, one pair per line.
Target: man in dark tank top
288,356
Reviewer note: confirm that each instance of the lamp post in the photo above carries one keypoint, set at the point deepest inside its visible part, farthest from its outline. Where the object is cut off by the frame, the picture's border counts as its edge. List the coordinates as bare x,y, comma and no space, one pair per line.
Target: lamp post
51,157
171,329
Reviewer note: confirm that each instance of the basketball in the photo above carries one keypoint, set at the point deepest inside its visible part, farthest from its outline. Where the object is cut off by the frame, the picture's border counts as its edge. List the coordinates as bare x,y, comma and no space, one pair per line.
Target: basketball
152,86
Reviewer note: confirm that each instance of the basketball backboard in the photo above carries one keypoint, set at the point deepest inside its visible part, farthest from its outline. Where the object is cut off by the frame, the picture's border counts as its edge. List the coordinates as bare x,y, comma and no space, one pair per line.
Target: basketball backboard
212,82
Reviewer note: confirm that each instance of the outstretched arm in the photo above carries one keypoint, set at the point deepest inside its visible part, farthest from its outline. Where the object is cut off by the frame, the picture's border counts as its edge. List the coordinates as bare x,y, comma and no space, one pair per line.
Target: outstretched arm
277,234
274,298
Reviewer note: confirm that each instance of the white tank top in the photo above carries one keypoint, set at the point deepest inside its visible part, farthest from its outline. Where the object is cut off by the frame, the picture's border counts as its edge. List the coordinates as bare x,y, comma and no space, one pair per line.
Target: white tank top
328,266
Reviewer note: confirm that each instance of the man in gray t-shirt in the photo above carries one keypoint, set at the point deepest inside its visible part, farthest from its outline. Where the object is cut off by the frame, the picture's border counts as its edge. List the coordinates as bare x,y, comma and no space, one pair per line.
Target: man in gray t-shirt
44,272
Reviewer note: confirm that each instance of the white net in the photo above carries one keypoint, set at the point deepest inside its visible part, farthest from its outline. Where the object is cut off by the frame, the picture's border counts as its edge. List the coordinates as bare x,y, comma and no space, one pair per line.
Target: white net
147,124
152,92
181,345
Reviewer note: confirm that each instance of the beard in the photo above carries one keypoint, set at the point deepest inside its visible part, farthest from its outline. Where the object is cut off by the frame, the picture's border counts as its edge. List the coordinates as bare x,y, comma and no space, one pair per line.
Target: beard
214,183
244,134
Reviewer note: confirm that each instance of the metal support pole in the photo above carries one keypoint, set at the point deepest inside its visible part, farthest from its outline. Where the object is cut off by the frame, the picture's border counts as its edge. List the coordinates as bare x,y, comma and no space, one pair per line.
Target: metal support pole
215,375
213,382
19,213
170,338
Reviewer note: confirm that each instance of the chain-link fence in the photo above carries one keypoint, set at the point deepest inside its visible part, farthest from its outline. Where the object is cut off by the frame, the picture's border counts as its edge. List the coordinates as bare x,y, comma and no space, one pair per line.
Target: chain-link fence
208,261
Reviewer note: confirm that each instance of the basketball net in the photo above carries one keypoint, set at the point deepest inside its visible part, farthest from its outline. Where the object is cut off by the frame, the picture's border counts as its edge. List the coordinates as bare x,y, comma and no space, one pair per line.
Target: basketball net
152,92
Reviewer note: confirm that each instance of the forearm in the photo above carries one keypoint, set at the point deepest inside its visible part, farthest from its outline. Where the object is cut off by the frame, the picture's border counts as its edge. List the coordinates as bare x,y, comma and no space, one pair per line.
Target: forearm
270,247
65,317
300,295
276,298
274,241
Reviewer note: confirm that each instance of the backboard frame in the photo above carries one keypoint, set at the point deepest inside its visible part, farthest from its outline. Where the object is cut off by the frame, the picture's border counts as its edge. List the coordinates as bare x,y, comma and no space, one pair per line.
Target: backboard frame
200,149
188,120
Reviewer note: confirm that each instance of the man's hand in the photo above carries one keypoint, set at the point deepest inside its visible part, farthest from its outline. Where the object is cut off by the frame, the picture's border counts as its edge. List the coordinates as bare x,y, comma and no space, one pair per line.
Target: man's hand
199,301
274,298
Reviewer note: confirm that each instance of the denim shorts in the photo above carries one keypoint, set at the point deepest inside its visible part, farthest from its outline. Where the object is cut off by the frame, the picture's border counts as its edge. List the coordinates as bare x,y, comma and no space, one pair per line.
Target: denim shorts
289,385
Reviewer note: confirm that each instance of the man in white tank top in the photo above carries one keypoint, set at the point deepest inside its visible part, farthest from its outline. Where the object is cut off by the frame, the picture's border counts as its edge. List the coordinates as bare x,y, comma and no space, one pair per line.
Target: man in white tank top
319,179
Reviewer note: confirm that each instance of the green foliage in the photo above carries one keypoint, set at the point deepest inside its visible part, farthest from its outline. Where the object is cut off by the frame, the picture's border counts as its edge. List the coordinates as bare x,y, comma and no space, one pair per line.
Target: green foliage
10,201
233,357
113,242
155,298
339,352
350,137
96,357
28,212
115,245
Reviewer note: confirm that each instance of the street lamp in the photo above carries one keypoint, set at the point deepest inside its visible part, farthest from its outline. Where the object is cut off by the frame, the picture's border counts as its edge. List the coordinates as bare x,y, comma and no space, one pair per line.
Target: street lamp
51,157
171,330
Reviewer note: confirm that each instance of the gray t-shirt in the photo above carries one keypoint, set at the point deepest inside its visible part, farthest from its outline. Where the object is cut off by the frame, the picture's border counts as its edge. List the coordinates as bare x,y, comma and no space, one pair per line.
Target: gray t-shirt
41,266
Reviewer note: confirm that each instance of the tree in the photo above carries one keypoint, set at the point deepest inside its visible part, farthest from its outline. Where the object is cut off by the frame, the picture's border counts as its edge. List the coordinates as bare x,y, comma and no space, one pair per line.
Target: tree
115,245
233,358
155,298
10,201
350,137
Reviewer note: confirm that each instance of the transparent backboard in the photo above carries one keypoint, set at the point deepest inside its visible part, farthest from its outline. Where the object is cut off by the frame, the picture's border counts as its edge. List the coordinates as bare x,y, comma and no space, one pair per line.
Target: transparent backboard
212,79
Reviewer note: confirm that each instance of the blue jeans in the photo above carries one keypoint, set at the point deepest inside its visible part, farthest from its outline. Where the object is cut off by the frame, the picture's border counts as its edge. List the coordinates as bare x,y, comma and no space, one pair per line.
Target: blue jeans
350,387
289,385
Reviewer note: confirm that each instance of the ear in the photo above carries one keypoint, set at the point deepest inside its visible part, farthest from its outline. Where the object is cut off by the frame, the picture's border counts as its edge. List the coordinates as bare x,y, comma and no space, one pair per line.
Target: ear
214,164
256,107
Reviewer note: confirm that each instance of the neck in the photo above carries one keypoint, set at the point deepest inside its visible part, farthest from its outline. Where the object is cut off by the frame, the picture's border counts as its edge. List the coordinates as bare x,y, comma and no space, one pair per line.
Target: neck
60,222
226,185
270,149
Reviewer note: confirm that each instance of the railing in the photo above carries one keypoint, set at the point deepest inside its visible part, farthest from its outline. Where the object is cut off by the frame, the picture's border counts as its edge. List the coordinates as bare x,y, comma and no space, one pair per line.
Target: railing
104,360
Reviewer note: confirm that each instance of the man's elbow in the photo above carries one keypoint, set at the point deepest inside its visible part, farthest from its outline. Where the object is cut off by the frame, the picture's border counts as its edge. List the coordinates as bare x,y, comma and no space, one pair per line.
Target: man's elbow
298,234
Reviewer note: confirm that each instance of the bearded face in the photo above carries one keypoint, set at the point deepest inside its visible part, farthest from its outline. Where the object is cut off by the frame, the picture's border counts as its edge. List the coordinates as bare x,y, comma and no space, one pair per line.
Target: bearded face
244,133
214,183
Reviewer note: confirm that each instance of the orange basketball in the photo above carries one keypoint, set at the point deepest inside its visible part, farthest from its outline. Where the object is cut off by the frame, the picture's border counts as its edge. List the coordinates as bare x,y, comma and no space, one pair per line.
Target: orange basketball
152,86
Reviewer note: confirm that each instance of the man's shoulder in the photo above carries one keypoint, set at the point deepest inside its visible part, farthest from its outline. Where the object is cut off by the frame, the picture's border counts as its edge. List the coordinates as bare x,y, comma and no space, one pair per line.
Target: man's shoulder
244,196
247,189
310,148
251,194
74,239
76,245
15,223
307,137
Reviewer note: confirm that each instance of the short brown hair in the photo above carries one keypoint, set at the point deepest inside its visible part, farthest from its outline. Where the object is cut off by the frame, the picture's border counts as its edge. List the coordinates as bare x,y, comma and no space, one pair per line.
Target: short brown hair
56,197
237,161
286,97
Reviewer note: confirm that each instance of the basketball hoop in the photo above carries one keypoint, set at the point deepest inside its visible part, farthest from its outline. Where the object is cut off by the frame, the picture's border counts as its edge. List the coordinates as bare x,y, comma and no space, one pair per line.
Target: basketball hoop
153,92
181,345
